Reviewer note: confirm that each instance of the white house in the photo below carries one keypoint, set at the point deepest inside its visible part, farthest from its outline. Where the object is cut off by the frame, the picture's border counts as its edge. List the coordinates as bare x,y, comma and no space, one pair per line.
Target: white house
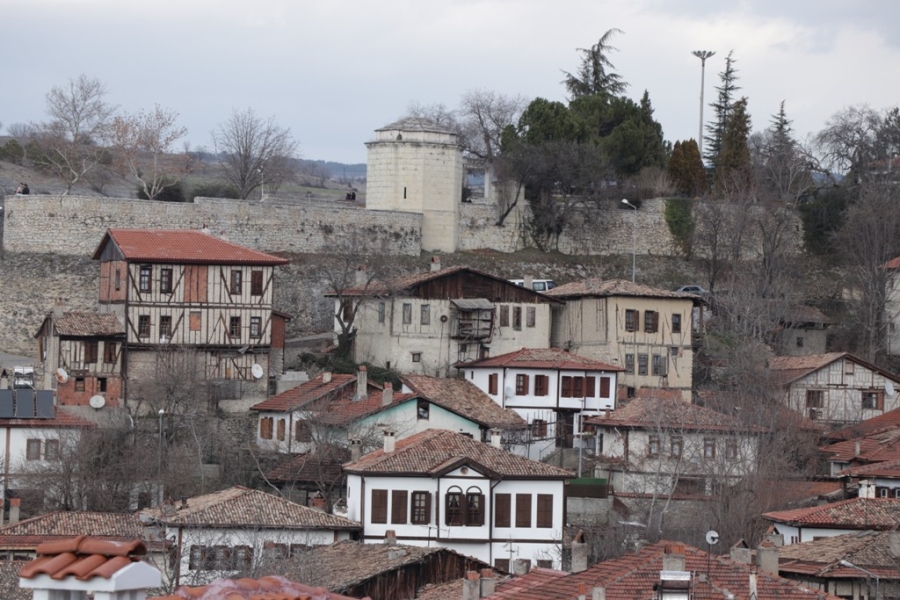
441,487
550,388
837,388
236,530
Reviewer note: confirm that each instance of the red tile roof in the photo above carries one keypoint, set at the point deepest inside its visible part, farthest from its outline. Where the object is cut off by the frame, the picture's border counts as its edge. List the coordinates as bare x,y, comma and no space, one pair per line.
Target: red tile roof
882,422
436,451
541,358
181,246
242,507
28,534
464,398
595,287
309,391
83,557
856,513
61,419
877,447
320,465
264,588
653,413
89,324
889,469
870,550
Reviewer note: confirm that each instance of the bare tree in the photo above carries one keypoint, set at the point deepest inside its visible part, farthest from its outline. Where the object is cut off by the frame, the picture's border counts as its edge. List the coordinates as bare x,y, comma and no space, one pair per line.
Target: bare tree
256,152
858,138
143,145
483,116
72,141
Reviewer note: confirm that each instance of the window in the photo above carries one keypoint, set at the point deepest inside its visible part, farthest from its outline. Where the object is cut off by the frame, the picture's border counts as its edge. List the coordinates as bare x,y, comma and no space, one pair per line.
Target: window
255,327
235,288
265,428
220,558
407,313
605,384
90,352
421,508
642,364
504,316
234,327
541,385
425,317
417,357
256,283
632,319
79,384
517,318
523,510
545,510
453,510
195,320
144,326
165,326
653,446
110,352
676,323
530,316
651,321
493,383
118,279
165,281
303,432
815,398
381,312
502,506
545,563
676,445
398,507
629,363
590,384
731,449
709,447
673,351
848,367
379,506
578,387
566,387
629,392
101,384
33,450
474,508
144,278
346,311
423,410
873,399
521,385
539,428
51,450
660,365
280,429
799,342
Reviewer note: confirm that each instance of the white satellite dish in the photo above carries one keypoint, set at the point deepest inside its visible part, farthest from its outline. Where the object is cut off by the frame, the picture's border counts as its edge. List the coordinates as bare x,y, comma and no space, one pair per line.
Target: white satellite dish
712,537
509,392
97,402
61,375
257,371
889,388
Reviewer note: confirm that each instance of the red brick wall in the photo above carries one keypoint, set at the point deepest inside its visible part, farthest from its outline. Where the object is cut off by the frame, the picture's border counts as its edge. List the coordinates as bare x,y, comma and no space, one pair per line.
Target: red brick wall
67,396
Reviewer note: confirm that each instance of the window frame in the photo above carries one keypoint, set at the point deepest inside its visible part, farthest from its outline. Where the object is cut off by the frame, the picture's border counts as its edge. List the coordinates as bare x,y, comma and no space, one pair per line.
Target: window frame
653,445
33,449
234,327
544,511
407,313
420,508
676,446
538,428
51,450
632,319
91,350
504,315
530,316
523,511
676,322
256,282
493,383
166,280
236,281
503,510
165,326
541,385
379,503
517,318
145,278
629,364
425,315
651,321
660,365
110,352
709,447
522,384
144,326
255,327
642,364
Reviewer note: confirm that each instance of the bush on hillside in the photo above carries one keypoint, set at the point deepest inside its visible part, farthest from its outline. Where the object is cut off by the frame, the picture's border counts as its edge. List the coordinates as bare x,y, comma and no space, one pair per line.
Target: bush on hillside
171,193
12,152
214,190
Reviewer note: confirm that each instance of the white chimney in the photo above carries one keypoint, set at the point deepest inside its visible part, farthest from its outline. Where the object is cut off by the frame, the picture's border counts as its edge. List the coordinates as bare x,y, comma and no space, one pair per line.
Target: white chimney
673,559
387,395
390,537
752,590
362,384
528,282
389,441
598,593
767,558
488,582
866,489
495,438
521,567
326,377
856,448
435,263
579,553
355,450
471,586
361,275
15,505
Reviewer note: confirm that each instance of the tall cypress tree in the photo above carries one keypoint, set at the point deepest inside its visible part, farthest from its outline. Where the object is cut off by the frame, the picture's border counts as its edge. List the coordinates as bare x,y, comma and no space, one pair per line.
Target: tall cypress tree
721,109
733,164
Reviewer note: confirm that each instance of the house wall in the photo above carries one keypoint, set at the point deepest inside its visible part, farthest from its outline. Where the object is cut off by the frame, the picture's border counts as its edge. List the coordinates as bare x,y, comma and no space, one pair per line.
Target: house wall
595,328
796,535
801,342
17,467
892,312
843,383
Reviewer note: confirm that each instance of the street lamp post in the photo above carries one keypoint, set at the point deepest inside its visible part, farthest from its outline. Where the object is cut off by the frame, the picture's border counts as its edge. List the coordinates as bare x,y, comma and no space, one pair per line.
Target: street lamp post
847,563
702,55
633,239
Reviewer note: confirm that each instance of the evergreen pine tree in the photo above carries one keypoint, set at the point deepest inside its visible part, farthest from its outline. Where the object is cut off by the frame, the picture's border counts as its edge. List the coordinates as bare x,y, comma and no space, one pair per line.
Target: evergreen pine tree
733,164
721,109
696,173
677,171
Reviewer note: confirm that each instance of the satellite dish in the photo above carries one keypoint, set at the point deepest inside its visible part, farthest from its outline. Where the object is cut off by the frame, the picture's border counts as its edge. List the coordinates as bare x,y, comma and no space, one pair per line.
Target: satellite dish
889,388
712,537
509,391
257,371
61,375
97,402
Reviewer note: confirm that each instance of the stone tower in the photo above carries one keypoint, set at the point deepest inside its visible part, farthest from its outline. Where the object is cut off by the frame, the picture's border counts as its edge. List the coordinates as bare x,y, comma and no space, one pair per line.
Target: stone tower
415,165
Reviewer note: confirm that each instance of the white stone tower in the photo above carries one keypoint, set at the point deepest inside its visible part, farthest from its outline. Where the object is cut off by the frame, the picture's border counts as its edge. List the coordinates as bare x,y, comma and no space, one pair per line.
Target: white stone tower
415,165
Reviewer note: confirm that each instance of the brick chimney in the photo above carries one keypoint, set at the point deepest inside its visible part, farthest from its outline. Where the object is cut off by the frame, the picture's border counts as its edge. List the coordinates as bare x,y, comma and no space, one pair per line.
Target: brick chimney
362,384
471,586
488,582
390,537
388,441
673,559
582,591
15,505
496,438
579,553
387,395
435,263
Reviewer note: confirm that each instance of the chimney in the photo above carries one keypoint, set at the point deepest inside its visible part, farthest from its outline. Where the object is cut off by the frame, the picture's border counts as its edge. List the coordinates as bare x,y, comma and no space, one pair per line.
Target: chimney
396,553
390,537
673,560
598,593
582,591
521,567
355,450
528,282
361,275
184,503
15,505
775,538
388,441
435,263
471,586
58,308
579,553
856,448
740,555
326,377
767,558
362,384
488,583
752,590
387,395
495,438
866,489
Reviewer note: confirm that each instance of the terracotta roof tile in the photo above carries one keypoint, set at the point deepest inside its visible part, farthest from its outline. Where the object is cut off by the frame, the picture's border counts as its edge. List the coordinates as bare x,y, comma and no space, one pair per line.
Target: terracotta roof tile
9,581
311,466
436,450
67,525
855,513
665,412
182,246
882,422
264,588
62,418
464,398
89,324
870,550
889,469
307,392
876,447
83,557
595,287
242,507
542,358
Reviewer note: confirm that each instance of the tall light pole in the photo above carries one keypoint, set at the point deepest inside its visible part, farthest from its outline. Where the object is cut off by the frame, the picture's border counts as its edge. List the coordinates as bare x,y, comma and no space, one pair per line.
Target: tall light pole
633,239
847,563
702,55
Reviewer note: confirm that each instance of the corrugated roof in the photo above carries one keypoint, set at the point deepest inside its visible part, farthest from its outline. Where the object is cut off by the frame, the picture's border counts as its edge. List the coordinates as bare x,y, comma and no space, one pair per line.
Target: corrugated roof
84,558
242,507
182,246
667,413
541,358
464,398
437,450
89,324
595,287
265,588
856,513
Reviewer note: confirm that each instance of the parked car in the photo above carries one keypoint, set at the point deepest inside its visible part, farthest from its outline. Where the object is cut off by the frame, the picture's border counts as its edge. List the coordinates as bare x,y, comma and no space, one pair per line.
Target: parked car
538,285
692,289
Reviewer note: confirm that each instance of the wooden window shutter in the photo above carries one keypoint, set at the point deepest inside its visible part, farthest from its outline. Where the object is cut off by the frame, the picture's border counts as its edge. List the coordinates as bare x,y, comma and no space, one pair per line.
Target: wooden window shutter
379,506
545,510
523,510
604,387
590,384
398,507
492,383
566,387
879,400
502,505
281,423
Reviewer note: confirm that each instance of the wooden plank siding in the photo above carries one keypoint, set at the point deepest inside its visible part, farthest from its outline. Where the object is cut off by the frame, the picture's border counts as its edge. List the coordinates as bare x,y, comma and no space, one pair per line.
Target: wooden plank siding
71,356
473,285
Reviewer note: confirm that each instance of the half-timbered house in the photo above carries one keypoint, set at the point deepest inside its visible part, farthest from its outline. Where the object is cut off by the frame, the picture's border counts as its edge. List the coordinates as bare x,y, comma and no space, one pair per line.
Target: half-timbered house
185,289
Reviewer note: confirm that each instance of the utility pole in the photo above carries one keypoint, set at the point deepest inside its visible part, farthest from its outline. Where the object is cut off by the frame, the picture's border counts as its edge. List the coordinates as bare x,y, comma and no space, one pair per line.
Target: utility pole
702,55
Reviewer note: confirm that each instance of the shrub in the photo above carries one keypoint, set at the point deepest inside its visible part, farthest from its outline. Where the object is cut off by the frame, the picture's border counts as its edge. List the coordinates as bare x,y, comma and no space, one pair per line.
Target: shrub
12,152
214,190
171,193
680,222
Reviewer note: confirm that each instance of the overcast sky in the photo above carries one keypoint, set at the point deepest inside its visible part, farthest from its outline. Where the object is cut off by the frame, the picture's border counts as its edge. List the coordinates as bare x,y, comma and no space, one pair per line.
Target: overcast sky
333,71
